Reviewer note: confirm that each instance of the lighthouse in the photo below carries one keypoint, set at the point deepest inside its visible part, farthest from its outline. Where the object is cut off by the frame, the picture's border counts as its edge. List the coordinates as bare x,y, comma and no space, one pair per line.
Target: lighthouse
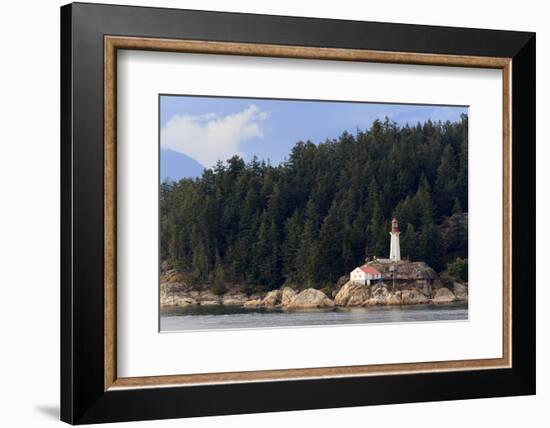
395,253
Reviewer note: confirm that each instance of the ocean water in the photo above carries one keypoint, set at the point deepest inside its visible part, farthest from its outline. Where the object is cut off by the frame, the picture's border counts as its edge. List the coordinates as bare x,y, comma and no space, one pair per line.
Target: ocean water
235,317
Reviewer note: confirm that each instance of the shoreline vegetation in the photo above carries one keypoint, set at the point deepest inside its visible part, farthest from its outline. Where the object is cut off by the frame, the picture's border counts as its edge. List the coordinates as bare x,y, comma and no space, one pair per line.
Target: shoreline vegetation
420,285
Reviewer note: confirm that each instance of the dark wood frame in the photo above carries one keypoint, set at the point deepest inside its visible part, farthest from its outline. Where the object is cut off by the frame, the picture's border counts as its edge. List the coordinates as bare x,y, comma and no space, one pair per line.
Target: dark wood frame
90,35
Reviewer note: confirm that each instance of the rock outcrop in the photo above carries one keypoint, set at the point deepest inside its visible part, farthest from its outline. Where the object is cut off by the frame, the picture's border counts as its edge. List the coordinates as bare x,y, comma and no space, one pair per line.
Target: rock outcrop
279,298
287,296
394,298
236,299
413,297
460,291
177,300
407,275
352,294
443,295
343,280
383,295
415,284
255,303
174,294
310,298
404,270
178,294
207,298
272,299
379,296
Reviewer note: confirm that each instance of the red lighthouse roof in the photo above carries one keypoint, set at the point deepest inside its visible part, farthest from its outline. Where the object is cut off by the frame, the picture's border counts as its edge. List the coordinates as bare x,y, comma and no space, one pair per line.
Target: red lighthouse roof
369,269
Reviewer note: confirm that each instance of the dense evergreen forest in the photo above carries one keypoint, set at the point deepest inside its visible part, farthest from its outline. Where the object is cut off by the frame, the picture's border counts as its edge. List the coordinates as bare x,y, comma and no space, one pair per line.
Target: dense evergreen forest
315,217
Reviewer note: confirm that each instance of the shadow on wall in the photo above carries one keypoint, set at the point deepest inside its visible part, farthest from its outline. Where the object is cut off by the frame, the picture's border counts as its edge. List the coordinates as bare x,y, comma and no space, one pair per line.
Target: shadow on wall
50,411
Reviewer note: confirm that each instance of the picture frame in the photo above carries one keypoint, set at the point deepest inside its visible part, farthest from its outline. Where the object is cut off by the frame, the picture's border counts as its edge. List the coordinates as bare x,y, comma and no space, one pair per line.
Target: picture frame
91,390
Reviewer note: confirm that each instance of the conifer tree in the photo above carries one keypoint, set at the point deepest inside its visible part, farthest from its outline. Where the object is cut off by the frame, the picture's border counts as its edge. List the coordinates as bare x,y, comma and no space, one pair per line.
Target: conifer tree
219,277
307,256
293,231
315,216
199,267
423,200
331,238
445,184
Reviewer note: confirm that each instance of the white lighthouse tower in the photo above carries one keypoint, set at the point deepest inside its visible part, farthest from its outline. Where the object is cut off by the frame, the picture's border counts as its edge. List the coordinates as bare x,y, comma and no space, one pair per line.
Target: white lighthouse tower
395,252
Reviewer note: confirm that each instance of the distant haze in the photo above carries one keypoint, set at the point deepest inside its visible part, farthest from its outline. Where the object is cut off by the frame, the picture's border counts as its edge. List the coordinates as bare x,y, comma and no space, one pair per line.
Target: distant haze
175,166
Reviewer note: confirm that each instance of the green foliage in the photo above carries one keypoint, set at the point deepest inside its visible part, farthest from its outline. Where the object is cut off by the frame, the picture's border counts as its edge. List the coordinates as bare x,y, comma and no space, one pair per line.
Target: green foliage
316,216
307,256
218,283
293,233
458,269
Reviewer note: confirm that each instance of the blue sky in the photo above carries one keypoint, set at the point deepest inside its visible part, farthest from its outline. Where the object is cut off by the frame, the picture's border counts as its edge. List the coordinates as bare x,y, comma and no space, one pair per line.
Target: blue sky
210,128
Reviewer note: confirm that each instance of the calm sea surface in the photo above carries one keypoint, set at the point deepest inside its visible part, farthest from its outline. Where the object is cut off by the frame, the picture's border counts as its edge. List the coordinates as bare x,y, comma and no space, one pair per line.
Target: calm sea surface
233,317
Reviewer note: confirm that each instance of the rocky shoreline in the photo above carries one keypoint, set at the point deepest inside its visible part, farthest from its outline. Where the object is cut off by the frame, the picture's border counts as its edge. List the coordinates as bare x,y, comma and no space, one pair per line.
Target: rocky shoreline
350,294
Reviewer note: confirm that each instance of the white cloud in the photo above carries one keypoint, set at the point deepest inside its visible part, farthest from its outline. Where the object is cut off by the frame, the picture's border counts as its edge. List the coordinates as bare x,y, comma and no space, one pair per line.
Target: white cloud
208,138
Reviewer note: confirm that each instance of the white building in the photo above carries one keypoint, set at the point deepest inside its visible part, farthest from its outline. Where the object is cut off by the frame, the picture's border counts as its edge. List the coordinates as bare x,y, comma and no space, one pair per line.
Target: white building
395,252
364,274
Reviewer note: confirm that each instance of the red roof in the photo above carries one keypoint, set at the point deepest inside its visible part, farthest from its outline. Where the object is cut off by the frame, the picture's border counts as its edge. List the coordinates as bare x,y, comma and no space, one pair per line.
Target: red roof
369,269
